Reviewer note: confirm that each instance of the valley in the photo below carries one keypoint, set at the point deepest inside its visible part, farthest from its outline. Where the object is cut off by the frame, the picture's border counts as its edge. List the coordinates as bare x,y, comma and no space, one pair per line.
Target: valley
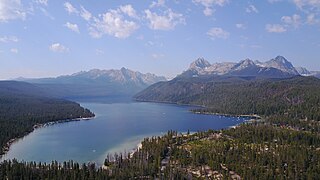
287,105
160,89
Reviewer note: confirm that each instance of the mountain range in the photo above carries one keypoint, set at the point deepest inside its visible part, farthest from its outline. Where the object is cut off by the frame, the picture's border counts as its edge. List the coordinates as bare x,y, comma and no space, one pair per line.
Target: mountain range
218,84
96,83
278,67
125,82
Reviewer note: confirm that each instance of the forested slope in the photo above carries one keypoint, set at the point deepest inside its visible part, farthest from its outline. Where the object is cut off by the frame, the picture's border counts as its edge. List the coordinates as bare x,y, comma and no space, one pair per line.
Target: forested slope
284,144
296,97
254,151
23,105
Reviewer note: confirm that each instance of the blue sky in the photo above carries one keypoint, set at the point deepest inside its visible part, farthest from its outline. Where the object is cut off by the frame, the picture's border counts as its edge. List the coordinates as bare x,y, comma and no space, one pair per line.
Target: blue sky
44,38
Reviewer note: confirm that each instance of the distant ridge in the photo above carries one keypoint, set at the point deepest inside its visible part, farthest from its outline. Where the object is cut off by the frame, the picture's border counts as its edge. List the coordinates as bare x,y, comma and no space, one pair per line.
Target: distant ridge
16,88
278,67
97,82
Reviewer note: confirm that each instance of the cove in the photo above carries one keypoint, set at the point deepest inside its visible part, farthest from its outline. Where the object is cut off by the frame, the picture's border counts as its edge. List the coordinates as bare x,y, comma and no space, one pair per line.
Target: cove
117,127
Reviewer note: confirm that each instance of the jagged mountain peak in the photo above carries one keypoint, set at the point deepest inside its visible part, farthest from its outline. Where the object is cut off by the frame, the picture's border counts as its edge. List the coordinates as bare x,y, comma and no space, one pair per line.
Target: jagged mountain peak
282,59
122,76
243,64
276,67
200,63
303,71
283,64
96,73
99,82
247,62
123,69
91,74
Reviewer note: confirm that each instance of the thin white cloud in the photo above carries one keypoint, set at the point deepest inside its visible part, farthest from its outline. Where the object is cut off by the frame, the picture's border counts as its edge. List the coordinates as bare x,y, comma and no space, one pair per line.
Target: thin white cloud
168,21
255,46
150,43
8,39
42,2
129,10
217,32
159,3
241,26
11,10
72,27
311,19
208,11
157,56
309,4
274,1
208,5
70,8
14,50
311,8
275,28
85,14
99,52
57,47
112,23
252,9
294,20
46,13
154,44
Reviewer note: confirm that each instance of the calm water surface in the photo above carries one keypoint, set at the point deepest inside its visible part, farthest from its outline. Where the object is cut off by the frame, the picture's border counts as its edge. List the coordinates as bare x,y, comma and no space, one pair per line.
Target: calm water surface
117,127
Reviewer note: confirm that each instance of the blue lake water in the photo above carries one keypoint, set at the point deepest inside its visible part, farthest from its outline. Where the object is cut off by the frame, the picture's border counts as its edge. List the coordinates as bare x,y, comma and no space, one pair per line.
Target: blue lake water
117,127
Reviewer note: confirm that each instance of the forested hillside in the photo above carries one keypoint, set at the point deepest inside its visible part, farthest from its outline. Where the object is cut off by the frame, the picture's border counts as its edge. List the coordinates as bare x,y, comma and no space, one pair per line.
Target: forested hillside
254,151
283,144
296,97
23,105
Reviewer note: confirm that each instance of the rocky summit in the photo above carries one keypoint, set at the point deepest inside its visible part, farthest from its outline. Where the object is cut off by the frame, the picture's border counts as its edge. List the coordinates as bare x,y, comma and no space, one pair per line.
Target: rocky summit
278,67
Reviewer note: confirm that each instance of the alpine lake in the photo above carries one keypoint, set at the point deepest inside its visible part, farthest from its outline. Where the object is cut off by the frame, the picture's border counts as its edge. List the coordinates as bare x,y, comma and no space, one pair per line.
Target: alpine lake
119,126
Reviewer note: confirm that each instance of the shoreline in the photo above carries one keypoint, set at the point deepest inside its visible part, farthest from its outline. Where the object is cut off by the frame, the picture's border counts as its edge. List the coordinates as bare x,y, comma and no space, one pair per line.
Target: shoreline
252,116
7,146
196,111
168,102
136,149
130,153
